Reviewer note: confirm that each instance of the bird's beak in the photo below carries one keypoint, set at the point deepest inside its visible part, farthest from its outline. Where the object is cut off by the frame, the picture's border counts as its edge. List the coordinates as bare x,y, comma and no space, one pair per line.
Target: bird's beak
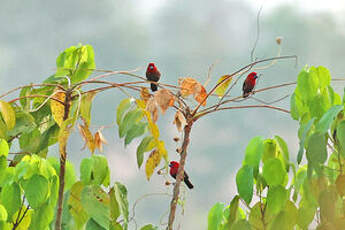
256,76
170,165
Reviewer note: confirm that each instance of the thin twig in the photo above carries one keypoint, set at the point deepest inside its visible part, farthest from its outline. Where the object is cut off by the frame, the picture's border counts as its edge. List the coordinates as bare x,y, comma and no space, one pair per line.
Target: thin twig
30,85
257,34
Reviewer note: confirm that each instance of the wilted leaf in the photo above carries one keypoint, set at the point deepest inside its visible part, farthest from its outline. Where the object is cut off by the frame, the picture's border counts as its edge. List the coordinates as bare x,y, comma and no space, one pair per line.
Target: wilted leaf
8,114
85,106
58,109
179,121
145,94
340,183
99,140
164,99
190,86
87,136
152,107
224,86
152,162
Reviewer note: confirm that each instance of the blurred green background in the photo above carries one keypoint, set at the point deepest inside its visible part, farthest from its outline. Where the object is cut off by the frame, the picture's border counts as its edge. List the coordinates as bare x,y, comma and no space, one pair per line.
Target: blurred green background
183,38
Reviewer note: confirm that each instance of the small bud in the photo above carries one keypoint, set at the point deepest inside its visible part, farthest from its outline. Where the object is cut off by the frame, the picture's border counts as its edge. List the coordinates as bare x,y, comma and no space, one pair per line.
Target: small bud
279,40
176,139
159,172
167,183
178,150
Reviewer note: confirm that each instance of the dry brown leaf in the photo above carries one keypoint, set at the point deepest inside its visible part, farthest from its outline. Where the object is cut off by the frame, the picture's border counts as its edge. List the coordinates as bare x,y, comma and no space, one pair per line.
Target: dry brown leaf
87,137
152,107
179,121
99,140
191,86
145,94
164,99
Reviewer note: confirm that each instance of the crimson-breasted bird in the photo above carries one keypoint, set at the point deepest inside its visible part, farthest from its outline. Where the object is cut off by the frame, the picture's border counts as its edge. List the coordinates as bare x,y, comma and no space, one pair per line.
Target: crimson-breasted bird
152,74
173,172
249,84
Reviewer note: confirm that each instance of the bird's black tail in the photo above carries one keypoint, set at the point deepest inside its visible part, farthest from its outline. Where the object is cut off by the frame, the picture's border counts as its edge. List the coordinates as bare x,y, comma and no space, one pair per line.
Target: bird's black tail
188,183
153,87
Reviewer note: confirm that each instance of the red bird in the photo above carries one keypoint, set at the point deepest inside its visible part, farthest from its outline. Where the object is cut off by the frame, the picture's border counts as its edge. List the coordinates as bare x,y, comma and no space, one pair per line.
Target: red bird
152,74
249,84
173,172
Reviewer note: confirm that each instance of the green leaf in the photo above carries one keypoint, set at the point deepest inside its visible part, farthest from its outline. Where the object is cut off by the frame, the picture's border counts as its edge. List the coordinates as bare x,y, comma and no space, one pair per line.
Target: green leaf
42,217
284,149
135,131
131,118
241,225
85,107
306,129
11,198
144,146
8,114
36,190
294,108
273,172
341,136
316,148
70,177
100,169
30,142
25,102
3,213
86,166
96,203
114,206
121,198
245,183
4,148
93,225
276,198
305,215
121,109
253,153
234,207
149,227
256,218
325,122
215,216
77,211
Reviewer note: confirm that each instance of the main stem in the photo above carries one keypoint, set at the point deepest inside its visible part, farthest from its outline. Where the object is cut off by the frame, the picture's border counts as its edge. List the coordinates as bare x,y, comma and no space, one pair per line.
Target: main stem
180,174
63,156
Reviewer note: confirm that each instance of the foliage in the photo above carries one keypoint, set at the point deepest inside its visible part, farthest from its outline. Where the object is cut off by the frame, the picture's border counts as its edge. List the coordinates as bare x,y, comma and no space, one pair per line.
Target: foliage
290,196
273,191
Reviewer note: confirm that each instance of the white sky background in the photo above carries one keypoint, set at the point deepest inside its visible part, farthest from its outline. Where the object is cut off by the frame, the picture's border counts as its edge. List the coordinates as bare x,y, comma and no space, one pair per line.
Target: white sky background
334,6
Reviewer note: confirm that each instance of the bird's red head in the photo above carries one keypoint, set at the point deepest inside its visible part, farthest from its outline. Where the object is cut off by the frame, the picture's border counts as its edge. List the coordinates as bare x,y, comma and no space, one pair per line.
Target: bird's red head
173,167
151,67
252,76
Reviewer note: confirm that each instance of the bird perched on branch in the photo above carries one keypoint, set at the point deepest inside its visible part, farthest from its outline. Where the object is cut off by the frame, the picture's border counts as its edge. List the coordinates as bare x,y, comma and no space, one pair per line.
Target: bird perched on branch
152,74
173,172
249,84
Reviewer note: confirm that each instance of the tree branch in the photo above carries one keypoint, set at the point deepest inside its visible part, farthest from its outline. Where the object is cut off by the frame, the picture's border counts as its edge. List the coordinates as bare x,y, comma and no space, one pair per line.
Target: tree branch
180,172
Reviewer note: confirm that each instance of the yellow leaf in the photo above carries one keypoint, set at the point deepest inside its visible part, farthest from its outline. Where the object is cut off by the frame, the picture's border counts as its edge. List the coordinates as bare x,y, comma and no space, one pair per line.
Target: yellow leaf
152,162
224,86
64,134
99,140
85,106
87,136
145,94
153,128
141,103
179,121
162,150
8,114
164,99
58,109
